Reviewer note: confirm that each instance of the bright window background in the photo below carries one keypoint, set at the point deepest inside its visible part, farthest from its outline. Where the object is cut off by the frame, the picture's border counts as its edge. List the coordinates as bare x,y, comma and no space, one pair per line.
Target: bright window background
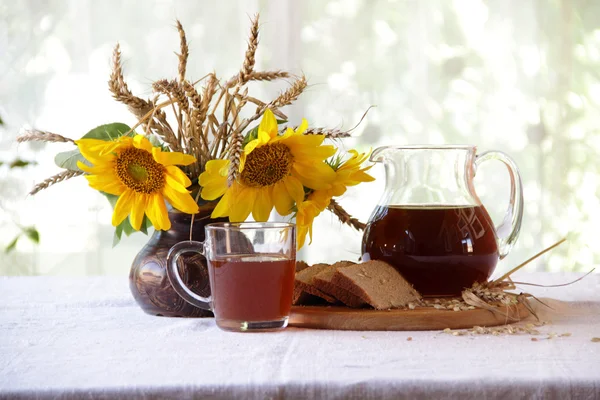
518,76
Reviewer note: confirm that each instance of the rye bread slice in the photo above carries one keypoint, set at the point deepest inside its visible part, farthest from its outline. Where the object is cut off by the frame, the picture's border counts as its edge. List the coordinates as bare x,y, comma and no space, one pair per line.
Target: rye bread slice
301,265
303,287
377,283
323,282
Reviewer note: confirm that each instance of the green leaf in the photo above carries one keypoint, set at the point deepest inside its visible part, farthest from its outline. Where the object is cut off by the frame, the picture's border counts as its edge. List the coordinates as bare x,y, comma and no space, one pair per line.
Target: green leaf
32,234
18,163
12,245
1,121
68,160
108,131
112,199
145,225
117,236
127,228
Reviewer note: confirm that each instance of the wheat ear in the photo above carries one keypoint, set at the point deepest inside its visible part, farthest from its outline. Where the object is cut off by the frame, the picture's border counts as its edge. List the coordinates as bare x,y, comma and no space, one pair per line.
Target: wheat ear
235,156
184,52
249,59
63,176
290,95
343,215
284,99
120,90
42,136
139,107
328,133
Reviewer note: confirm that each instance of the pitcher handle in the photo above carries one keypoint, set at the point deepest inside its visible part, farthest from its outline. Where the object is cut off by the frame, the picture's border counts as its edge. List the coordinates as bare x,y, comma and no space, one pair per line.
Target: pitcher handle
509,229
175,278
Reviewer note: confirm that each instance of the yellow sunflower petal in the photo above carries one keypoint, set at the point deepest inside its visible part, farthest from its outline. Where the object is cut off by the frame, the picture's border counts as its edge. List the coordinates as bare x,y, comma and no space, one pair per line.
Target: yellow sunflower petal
303,140
171,158
301,232
302,128
242,204
217,165
174,184
157,212
141,142
181,201
91,149
213,192
250,146
214,179
106,185
178,175
281,199
123,207
262,205
268,125
294,188
315,176
222,208
319,153
137,210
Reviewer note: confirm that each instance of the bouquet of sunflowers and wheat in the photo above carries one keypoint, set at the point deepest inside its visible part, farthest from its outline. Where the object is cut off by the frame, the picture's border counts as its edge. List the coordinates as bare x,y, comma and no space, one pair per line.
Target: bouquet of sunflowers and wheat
247,165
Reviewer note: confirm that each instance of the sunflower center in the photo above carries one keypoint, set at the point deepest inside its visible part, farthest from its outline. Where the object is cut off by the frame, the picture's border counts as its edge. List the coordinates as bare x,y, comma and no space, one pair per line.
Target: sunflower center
267,165
138,171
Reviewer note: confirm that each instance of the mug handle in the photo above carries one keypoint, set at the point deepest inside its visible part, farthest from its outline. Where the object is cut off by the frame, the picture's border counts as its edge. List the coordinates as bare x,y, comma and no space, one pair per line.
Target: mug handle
175,278
508,231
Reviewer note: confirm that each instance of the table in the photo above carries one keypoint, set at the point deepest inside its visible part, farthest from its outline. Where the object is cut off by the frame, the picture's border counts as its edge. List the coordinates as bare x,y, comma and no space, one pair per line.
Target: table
85,337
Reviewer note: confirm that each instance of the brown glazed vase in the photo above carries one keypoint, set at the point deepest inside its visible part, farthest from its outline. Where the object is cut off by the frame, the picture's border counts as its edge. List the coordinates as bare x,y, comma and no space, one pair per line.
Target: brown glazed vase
148,278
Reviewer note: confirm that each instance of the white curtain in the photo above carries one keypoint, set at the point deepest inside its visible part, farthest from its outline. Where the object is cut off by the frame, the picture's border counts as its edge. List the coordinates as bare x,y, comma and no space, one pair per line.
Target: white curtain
519,76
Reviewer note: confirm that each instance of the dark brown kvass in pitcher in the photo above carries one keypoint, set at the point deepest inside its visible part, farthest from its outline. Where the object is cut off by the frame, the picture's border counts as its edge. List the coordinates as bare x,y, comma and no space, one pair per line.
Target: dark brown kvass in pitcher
439,249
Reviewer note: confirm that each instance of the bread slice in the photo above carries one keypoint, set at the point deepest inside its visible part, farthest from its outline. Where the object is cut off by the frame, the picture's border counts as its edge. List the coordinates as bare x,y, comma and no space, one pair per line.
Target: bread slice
377,283
300,265
323,282
303,287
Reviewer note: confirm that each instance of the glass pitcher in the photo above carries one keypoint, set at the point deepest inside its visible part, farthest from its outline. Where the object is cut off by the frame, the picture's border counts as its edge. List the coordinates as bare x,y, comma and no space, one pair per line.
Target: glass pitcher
430,224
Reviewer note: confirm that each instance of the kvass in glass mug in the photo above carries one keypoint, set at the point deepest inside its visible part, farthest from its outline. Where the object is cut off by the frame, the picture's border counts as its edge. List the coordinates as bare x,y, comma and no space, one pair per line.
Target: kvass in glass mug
251,268
430,224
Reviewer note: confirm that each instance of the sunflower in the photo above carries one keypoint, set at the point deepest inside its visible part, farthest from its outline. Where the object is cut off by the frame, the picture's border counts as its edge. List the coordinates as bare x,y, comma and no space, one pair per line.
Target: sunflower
274,171
141,175
350,173
347,173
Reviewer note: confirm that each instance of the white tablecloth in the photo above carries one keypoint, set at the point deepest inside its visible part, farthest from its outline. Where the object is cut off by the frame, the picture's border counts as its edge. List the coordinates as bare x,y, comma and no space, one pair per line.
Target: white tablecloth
86,337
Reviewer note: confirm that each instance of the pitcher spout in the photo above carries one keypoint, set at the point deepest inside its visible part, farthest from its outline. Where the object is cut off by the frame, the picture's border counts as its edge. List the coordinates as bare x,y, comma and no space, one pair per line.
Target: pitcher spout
380,154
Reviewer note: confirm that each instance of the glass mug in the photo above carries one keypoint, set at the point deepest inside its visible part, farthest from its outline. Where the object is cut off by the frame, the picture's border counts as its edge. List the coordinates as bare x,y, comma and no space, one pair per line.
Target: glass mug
251,267
431,225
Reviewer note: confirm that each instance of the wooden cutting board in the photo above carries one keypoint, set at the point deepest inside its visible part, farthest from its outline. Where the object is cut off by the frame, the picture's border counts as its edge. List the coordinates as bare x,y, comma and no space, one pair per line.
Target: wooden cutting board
419,319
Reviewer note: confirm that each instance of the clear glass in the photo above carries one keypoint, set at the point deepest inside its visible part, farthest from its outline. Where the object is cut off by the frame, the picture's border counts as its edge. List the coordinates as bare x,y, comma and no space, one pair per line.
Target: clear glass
430,223
251,267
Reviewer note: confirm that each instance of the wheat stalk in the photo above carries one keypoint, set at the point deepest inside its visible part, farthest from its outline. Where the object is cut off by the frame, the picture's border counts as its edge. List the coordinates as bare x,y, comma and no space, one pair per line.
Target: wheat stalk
195,123
35,135
63,176
184,52
249,59
343,215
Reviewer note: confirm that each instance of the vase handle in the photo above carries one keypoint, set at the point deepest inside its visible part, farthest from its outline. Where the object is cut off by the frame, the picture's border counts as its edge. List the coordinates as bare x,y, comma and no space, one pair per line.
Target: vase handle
175,278
509,229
